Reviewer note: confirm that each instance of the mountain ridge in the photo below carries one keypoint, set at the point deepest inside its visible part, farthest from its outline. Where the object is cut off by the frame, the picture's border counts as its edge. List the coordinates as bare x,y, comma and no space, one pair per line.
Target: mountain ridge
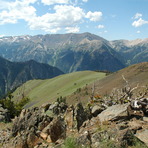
13,74
75,52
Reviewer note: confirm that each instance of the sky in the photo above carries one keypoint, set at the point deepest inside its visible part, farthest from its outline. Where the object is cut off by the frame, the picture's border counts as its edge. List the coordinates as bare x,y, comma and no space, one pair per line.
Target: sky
110,19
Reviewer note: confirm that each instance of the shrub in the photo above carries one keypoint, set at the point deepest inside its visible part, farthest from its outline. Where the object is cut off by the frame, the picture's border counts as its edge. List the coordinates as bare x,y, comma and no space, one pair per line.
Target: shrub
61,99
13,109
137,143
71,142
108,143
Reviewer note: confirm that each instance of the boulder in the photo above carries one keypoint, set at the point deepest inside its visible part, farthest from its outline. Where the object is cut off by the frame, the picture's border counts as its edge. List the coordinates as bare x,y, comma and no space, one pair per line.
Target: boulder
4,114
114,112
84,139
69,117
57,129
145,119
97,110
58,108
28,119
143,136
97,137
80,115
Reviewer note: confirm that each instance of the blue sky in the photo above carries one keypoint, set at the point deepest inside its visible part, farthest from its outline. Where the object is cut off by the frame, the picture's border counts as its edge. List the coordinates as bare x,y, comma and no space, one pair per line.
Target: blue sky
111,19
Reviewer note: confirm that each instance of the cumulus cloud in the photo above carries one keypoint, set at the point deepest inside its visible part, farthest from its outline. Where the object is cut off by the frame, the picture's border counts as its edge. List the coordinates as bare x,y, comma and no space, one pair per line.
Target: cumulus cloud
137,16
64,17
138,31
139,22
17,10
85,1
1,35
94,16
72,29
100,26
52,2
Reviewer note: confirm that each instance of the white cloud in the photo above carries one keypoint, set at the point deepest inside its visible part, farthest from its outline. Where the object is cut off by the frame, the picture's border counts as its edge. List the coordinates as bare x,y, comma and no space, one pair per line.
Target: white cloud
52,2
138,31
103,32
72,29
94,16
137,15
1,35
17,10
139,22
100,26
85,1
64,17
113,15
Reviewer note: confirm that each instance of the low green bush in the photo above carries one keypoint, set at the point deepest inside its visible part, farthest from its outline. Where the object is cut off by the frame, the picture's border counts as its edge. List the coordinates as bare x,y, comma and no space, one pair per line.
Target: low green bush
14,109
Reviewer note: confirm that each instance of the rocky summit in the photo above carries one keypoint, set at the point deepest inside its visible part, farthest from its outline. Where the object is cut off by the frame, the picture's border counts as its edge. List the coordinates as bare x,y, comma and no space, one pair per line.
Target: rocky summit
96,125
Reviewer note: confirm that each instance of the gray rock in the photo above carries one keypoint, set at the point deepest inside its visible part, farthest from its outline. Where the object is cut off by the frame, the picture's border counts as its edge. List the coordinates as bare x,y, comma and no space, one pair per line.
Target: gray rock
80,114
113,112
4,115
57,129
143,136
97,137
145,119
96,110
2,118
84,139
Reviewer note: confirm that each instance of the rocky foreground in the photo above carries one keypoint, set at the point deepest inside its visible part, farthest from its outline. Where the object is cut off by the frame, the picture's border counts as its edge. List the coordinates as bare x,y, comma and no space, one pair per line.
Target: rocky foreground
95,125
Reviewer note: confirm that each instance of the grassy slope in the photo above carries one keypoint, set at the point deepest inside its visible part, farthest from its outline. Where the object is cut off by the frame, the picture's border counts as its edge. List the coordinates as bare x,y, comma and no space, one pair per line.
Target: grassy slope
42,91
134,74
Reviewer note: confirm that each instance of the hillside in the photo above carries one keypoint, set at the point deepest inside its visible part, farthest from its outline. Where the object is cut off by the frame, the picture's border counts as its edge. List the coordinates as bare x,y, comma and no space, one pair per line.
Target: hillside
42,91
68,52
13,74
136,74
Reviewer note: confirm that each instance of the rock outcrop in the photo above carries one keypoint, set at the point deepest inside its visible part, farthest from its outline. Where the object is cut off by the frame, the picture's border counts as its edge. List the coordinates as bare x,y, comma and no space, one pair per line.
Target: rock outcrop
113,112
4,114
50,124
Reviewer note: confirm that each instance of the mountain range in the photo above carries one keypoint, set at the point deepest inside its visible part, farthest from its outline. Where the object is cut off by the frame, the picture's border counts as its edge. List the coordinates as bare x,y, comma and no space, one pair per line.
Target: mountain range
68,52
13,74
133,52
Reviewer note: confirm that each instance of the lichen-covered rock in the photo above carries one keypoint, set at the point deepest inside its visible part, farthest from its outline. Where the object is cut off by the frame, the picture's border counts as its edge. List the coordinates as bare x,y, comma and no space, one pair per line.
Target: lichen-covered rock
58,108
4,115
80,115
69,117
57,129
97,110
84,139
28,119
113,112
143,136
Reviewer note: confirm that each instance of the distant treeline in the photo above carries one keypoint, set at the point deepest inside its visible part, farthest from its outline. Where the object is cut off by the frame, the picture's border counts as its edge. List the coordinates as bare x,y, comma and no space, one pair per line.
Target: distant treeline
105,71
